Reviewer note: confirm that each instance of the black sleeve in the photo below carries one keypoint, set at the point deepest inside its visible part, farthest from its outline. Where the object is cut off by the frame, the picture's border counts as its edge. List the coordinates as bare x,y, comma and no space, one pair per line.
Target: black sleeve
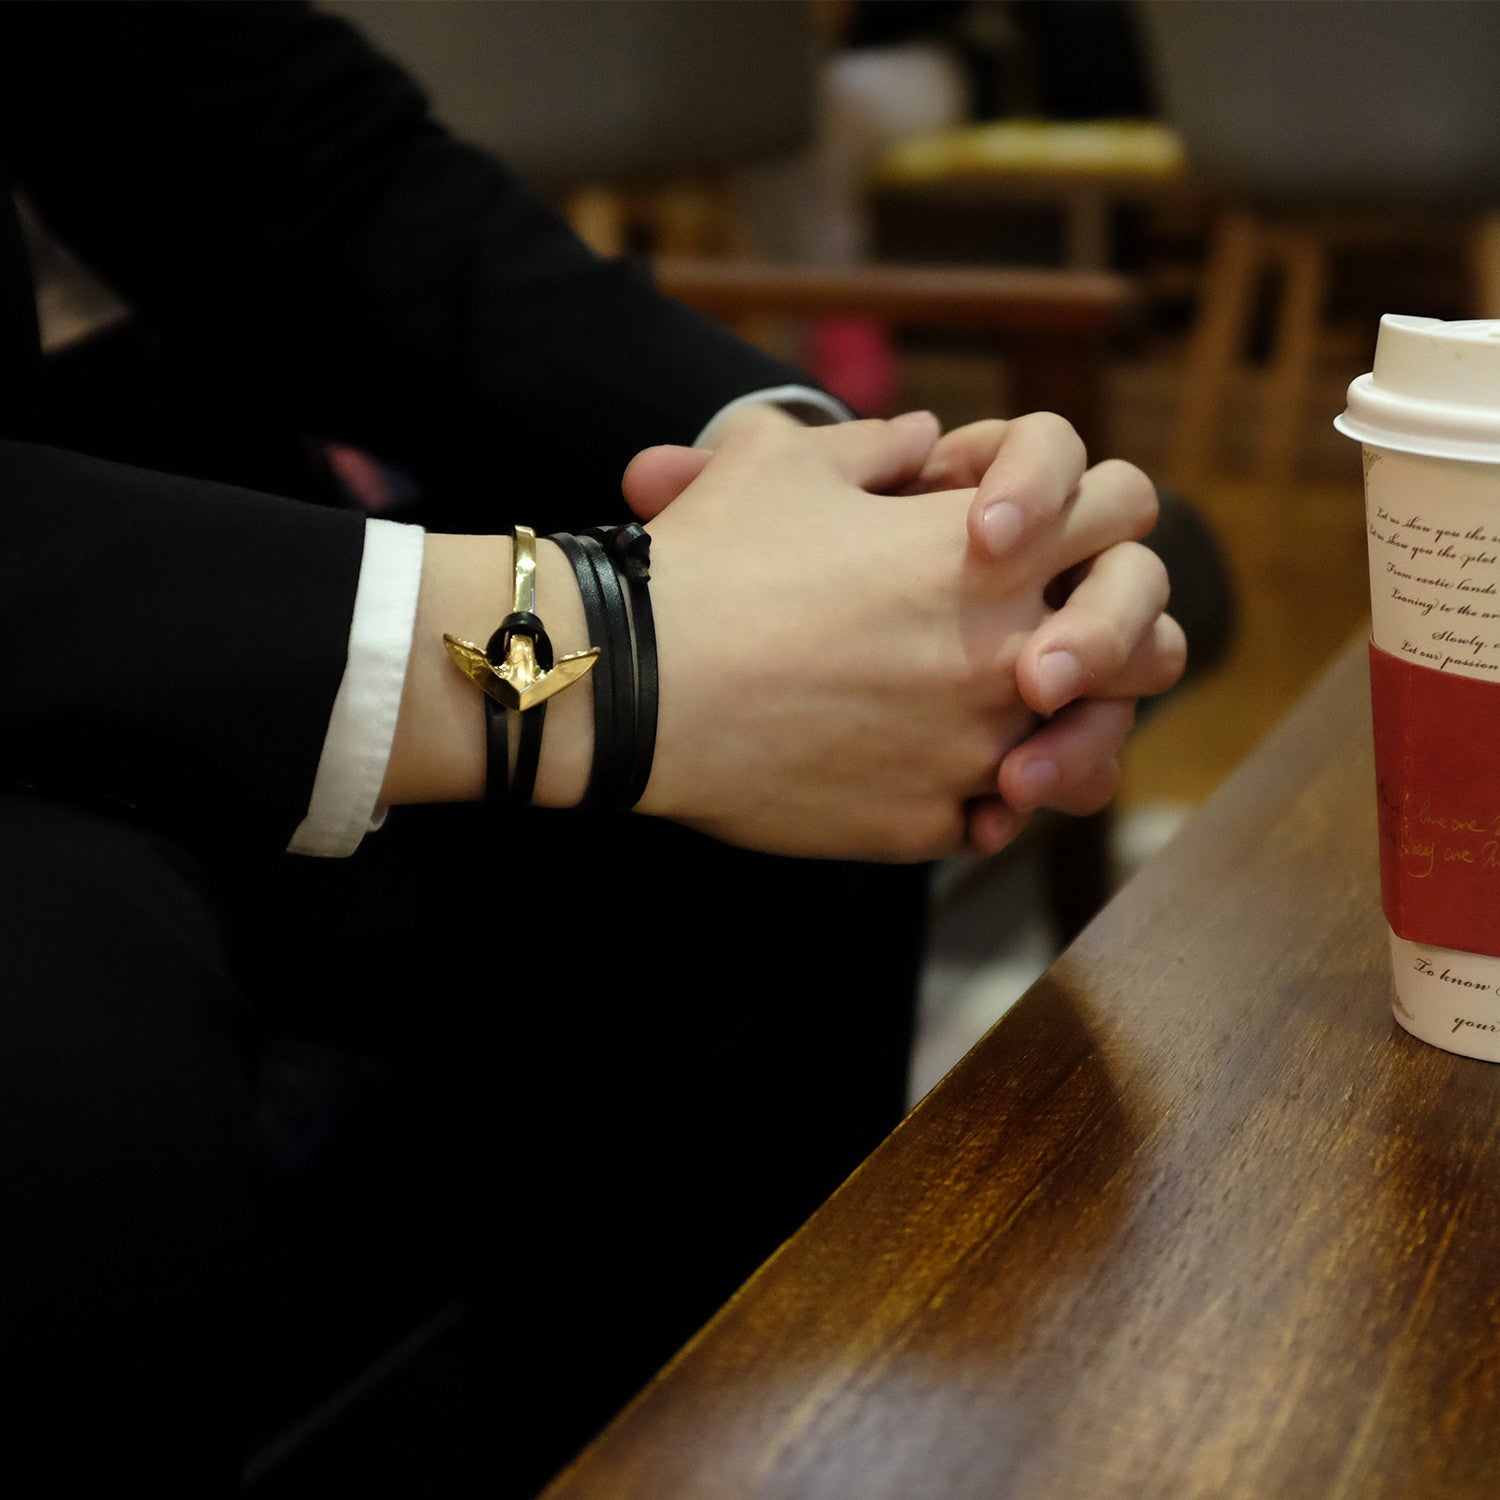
169,644
264,187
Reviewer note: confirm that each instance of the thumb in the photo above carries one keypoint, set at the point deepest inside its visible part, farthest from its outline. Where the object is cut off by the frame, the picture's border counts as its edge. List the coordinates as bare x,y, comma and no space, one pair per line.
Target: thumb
655,477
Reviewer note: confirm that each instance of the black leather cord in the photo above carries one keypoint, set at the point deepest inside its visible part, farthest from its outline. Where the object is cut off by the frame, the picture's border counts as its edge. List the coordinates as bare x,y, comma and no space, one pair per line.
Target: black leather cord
514,787
616,741
596,618
630,547
496,752
606,561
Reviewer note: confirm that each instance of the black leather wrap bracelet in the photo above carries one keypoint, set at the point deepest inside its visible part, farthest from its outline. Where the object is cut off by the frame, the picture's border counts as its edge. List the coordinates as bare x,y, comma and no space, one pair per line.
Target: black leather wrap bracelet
614,684
630,548
608,561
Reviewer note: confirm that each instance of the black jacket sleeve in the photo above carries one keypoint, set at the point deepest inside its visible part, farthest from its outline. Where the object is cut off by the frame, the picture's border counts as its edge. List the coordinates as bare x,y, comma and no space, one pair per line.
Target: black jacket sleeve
267,189
169,644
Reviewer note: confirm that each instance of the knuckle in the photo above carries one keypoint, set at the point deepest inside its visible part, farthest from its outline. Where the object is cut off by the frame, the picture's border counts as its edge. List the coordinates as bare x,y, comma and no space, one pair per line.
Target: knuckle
1149,577
749,441
754,422
1161,577
1132,491
1171,653
1053,451
983,435
1055,429
1104,645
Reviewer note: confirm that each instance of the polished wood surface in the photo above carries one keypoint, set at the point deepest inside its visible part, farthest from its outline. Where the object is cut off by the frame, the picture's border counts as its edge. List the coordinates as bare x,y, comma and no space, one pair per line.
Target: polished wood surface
1195,1219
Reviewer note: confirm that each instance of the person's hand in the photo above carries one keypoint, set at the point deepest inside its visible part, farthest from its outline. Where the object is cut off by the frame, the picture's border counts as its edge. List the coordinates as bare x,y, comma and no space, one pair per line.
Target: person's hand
839,667
1108,641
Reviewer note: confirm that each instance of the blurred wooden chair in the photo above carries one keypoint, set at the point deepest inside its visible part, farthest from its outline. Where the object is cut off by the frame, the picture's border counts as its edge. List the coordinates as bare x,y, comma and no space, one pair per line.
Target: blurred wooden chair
1320,128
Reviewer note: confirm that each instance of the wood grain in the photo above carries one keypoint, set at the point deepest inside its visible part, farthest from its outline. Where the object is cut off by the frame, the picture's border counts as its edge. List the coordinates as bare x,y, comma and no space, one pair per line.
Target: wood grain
1195,1219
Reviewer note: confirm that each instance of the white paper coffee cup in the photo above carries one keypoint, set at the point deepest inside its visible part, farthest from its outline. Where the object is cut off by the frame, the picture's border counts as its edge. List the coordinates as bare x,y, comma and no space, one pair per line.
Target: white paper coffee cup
1428,417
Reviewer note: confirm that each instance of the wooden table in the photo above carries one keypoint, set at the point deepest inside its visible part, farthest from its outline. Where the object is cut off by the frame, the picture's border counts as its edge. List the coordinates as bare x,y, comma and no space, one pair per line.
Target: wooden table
1194,1219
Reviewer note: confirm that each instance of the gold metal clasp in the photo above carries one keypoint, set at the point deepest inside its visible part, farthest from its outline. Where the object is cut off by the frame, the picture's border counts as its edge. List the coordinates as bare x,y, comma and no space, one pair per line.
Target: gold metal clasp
519,682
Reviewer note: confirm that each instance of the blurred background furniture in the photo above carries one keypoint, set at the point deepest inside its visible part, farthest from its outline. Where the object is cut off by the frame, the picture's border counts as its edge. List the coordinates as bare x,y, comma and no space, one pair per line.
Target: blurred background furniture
1320,129
1085,168
1054,323
631,116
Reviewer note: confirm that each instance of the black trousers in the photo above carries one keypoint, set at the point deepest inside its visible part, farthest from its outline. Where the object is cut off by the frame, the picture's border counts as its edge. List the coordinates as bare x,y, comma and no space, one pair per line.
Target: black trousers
629,1099
127,1173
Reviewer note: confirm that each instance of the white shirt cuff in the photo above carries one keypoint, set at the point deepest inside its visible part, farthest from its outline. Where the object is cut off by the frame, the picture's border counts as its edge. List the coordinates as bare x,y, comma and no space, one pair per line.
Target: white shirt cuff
815,408
345,795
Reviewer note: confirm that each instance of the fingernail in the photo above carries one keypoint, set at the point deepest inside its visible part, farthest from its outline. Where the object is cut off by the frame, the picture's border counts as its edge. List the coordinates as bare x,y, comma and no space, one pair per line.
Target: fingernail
1002,524
1059,675
1038,778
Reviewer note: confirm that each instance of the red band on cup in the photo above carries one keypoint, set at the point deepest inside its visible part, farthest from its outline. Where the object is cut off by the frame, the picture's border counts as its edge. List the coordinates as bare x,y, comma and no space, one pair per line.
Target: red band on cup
1437,782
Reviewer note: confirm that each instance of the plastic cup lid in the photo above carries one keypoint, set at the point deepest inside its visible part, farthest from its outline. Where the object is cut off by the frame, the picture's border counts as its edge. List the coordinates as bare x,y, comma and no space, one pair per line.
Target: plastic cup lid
1435,390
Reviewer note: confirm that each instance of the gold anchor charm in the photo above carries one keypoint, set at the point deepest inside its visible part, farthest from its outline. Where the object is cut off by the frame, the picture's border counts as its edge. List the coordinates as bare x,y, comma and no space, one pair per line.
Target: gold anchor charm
520,682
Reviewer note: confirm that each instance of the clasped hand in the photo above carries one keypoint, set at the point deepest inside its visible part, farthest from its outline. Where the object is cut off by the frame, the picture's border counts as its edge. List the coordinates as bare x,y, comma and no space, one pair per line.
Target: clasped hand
878,641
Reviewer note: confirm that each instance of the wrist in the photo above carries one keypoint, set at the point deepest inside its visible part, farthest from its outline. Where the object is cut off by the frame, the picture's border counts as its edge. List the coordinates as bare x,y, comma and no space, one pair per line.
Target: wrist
438,753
